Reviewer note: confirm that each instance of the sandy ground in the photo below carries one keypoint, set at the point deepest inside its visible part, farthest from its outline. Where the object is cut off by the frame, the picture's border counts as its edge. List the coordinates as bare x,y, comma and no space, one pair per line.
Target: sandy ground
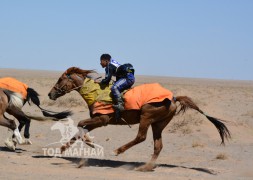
191,148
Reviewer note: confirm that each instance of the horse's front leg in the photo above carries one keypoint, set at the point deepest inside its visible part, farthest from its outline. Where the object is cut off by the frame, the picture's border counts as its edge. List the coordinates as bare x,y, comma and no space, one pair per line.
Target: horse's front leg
23,121
9,141
85,126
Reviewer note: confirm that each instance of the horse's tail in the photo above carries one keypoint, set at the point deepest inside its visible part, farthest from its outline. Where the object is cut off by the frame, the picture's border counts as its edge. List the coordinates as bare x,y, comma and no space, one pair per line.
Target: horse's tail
186,103
33,96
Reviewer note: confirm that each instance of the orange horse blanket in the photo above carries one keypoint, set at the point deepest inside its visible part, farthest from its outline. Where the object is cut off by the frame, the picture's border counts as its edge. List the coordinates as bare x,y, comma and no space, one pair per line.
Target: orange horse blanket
14,85
136,97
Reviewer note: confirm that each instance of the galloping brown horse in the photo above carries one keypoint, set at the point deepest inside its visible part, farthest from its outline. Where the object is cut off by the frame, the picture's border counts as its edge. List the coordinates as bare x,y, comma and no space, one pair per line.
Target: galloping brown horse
157,115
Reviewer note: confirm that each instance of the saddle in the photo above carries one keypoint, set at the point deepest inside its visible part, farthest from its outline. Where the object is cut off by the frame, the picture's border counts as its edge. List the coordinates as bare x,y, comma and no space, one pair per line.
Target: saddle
14,85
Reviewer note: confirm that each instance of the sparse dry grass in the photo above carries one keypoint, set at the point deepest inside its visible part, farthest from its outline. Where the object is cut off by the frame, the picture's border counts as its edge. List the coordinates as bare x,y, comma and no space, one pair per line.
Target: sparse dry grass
178,125
197,144
248,113
185,123
221,156
186,130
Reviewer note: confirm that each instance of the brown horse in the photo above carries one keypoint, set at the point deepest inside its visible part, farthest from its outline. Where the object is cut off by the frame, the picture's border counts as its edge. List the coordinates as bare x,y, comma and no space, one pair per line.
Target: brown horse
156,115
11,103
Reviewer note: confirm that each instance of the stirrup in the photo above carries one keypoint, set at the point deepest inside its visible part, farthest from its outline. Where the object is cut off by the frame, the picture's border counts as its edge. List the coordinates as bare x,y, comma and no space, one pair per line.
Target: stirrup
119,118
119,107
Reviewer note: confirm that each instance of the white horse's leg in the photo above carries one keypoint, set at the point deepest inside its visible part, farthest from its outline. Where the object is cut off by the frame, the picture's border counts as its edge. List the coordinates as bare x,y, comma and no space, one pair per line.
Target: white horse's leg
27,142
18,136
10,144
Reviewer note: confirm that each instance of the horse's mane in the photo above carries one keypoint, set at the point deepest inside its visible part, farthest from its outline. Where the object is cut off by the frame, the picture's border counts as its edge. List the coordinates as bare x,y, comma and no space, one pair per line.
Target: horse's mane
77,70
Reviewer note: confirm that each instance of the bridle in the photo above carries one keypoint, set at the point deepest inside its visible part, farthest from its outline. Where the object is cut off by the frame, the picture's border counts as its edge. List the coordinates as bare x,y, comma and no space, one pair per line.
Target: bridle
60,90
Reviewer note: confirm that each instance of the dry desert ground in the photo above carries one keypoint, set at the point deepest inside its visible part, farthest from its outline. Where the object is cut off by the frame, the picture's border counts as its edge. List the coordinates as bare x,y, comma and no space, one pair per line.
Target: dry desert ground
191,144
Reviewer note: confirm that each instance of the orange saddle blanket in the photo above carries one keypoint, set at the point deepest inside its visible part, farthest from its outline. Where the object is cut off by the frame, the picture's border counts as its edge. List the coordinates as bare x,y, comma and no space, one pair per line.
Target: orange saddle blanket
136,97
14,85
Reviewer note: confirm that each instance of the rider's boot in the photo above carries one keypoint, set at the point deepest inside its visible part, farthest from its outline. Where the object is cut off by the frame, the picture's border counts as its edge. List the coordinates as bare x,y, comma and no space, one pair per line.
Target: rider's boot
118,107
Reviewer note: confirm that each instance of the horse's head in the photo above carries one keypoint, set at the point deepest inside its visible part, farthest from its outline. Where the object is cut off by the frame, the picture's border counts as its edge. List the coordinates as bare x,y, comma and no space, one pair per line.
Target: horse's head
71,79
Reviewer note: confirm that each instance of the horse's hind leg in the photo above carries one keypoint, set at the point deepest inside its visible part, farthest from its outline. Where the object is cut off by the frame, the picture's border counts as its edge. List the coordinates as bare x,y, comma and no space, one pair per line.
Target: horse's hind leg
157,129
7,122
4,121
158,145
11,127
150,114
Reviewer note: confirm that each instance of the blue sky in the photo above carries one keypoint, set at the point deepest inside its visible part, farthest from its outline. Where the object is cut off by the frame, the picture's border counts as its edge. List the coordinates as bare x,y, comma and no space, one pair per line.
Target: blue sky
180,38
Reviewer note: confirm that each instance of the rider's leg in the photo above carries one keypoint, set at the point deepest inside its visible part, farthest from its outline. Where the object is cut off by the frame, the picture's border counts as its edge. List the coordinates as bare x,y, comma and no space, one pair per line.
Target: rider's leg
116,90
118,87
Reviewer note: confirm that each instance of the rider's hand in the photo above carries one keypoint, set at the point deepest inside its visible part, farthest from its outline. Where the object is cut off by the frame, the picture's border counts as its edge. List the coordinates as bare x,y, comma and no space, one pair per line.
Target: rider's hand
97,81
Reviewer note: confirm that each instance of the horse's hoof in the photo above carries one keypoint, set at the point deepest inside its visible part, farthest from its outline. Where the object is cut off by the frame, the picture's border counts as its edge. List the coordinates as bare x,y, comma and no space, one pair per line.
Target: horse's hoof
26,142
63,148
115,153
146,167
81,163
15,142
10,145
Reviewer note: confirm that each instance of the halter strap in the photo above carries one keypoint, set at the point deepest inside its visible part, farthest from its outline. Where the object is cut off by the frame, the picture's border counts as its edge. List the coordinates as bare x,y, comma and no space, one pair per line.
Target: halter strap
59,90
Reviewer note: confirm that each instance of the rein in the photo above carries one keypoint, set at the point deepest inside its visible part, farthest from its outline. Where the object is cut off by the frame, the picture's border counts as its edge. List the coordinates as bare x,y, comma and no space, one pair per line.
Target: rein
59,90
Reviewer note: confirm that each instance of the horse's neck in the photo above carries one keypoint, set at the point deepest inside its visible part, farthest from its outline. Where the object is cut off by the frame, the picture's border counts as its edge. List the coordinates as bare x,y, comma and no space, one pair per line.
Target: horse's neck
92,92
78,81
